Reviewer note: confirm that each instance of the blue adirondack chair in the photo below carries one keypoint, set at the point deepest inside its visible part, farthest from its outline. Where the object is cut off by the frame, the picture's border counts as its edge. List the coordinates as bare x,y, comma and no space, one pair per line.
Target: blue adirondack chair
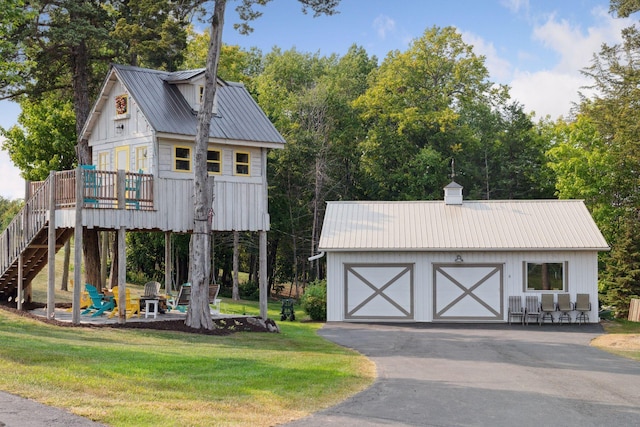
98,303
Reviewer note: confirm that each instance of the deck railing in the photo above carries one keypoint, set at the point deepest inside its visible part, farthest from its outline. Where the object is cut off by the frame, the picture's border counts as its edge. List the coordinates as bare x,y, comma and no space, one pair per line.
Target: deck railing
24,227
100,191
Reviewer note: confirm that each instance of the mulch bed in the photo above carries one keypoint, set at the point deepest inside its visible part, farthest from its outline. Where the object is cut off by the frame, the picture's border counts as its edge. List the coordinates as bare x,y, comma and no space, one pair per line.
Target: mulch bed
224,326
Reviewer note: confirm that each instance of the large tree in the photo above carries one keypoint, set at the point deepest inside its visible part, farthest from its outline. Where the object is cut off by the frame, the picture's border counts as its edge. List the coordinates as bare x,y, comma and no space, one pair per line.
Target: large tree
60,50
412,111
198,313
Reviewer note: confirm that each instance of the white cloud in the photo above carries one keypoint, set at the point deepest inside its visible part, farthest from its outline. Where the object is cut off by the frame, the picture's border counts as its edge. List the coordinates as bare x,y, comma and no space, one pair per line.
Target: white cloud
516,6
553,91
11,183
499,68
384,25
547,92
574,46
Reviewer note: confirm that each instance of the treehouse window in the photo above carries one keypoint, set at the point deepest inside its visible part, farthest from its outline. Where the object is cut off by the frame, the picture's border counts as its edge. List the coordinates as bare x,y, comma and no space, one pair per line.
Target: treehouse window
545,276
242,163
103,161
122,105
182,159
141,158
214,161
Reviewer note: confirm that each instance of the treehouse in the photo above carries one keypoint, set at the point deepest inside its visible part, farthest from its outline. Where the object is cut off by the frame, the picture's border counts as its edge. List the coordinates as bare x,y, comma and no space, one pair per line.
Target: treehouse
141,134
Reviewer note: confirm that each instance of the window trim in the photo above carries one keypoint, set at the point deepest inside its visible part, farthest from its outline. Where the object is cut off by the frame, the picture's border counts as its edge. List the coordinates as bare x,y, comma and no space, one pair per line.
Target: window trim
219,161
141,158
103,160
121,105
565,277
236,163
176,158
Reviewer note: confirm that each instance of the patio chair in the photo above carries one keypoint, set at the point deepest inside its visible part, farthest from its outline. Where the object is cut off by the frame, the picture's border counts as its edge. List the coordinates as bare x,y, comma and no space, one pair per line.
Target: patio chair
515,308
532,308
98,304
214,301
565,307
92,184
181,302
131,307
583,308
132,190
151,290
547,307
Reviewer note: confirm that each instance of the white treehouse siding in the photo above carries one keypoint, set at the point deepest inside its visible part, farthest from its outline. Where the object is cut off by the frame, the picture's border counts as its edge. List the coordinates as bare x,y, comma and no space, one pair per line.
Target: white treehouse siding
111,127
581,275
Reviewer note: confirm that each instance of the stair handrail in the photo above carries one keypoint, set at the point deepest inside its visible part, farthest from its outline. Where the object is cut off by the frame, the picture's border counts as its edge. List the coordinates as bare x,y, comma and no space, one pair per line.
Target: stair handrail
24,226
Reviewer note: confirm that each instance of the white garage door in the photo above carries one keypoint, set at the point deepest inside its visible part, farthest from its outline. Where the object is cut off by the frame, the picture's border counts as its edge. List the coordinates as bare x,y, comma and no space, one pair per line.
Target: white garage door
467,292
378,291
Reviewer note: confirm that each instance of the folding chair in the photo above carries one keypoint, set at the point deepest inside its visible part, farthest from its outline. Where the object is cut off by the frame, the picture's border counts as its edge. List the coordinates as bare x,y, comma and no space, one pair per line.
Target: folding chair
547,307
515,308
565,307
583,308
532,308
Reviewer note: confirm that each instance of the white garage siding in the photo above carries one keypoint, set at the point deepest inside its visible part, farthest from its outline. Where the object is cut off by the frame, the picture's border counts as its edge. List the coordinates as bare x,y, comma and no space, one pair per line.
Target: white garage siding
581,278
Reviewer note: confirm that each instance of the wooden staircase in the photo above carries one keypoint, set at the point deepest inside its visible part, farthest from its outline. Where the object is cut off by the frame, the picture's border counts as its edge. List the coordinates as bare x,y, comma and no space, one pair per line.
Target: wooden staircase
27,236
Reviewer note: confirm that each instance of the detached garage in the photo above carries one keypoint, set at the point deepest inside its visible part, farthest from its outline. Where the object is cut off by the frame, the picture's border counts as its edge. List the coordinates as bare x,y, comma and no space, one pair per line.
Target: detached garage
455,260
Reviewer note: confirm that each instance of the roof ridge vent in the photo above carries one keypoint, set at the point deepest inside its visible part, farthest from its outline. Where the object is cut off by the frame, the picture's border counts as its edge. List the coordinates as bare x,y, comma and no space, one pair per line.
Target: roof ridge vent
453,194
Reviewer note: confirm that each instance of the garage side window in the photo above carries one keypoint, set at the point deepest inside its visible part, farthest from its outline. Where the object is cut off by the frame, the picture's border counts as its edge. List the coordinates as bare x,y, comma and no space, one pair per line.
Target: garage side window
545,276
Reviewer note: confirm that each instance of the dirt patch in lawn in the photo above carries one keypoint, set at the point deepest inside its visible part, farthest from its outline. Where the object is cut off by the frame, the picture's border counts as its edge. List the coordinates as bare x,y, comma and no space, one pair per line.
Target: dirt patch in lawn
623,342
221,326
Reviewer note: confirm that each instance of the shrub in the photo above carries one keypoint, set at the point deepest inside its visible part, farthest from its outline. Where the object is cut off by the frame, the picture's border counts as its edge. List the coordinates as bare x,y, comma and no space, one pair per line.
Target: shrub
314,300
249,290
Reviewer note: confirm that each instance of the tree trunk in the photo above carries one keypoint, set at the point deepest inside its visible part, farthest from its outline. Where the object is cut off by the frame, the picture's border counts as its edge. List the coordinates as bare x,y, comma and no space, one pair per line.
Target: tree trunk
198,315
113,276
235,292
64,285
80,65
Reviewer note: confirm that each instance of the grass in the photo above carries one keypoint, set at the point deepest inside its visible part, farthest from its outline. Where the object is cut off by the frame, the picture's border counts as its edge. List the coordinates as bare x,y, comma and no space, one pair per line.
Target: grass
141,377
124,377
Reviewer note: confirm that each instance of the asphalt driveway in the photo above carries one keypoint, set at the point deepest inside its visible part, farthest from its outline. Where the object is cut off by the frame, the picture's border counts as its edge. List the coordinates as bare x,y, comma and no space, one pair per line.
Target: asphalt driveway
485,375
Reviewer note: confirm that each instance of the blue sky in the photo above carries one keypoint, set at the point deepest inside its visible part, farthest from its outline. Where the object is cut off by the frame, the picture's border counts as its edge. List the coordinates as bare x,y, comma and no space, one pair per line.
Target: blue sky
537,47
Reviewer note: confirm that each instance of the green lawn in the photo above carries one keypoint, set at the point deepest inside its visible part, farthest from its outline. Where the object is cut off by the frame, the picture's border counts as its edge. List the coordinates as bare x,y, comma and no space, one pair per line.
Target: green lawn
144,377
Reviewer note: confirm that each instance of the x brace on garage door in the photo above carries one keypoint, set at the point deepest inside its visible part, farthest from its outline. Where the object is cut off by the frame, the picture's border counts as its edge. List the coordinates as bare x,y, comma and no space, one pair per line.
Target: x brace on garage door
468,292
378,291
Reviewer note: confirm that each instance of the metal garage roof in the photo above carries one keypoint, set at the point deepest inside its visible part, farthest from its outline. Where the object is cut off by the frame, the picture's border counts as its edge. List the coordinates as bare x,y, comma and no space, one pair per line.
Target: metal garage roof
473,225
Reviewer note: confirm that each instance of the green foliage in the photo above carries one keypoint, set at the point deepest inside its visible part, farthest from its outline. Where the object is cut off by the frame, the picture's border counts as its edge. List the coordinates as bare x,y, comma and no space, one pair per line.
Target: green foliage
621,280
314,300
8,210
249,290
414,112
45,139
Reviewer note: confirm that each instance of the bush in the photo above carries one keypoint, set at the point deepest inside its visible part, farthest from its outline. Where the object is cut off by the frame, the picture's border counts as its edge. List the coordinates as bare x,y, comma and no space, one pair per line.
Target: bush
249,290
314,300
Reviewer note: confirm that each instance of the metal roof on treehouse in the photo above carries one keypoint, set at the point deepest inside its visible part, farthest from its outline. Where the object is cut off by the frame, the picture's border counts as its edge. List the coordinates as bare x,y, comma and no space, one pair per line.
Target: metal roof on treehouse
238,117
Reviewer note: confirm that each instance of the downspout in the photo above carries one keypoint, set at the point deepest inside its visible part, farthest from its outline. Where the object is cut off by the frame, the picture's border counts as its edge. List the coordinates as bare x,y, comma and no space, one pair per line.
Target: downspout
317,256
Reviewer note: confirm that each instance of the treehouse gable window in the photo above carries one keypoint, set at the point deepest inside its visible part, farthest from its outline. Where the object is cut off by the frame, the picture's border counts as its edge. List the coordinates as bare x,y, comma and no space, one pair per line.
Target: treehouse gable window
122,105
